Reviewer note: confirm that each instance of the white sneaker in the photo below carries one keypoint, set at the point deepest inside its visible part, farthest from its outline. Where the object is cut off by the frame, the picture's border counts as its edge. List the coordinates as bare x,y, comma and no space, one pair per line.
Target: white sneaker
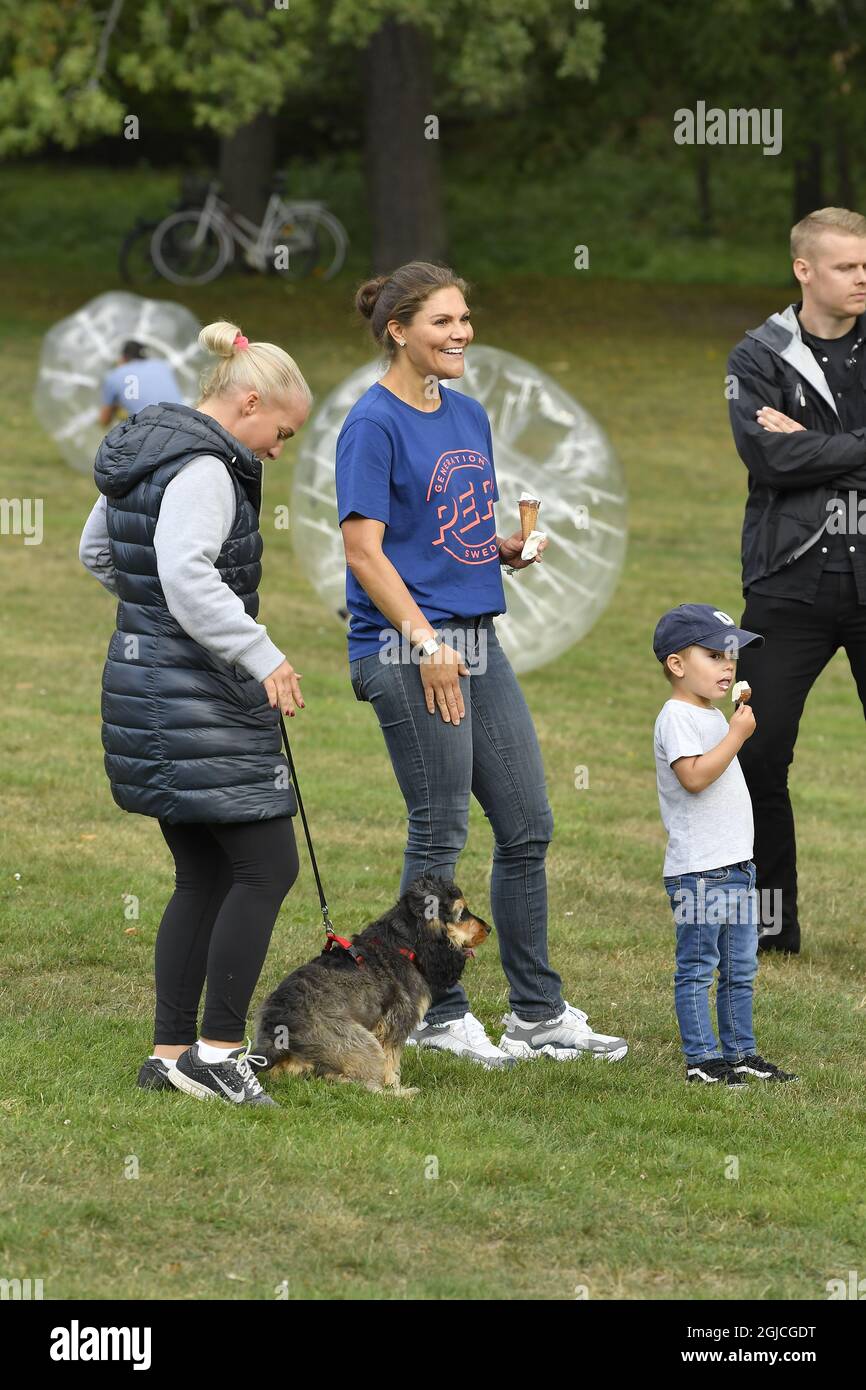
564,1038
465,1037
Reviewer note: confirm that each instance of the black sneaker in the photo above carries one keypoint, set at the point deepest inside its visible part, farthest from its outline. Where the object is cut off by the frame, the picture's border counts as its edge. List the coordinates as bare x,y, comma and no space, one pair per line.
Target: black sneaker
716,1069
233,1080
787,942
764,1071
154,1076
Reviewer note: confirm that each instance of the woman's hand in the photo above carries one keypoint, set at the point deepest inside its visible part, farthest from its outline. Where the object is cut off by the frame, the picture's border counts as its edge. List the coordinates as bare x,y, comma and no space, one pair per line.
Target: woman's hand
440,676
283,690
509,552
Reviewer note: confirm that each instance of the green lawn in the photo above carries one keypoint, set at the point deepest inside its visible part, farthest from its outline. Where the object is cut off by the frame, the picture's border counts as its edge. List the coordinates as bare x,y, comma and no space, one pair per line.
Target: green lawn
634,211
549,1177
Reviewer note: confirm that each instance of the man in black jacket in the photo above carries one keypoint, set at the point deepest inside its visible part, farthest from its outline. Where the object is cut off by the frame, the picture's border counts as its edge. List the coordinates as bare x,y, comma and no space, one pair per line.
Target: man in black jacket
797,392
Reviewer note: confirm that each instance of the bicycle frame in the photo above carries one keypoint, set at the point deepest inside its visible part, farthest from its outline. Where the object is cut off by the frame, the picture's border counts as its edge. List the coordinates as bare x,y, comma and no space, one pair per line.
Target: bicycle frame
256,240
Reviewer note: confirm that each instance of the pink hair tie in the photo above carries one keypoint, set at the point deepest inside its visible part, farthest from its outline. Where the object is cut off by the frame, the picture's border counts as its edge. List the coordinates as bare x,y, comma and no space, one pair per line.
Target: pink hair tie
240,342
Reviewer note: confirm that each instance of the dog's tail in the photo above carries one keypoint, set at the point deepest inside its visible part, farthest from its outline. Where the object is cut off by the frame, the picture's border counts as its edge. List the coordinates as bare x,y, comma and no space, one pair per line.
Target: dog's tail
269,1041
282,1046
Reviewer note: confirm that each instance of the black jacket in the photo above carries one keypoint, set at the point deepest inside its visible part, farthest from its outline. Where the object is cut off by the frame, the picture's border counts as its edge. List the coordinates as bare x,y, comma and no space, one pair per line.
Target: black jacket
187,737
792,477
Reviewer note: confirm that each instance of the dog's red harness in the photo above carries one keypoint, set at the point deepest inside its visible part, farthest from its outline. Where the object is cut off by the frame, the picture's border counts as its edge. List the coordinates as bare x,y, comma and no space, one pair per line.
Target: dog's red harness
351,950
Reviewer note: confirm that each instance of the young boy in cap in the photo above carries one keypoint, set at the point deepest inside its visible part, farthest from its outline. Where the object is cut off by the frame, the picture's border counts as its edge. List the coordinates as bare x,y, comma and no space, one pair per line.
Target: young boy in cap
708,870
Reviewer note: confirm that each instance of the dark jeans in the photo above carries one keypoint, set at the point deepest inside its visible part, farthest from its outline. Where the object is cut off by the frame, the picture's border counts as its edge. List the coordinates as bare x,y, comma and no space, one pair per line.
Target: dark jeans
800,638
229,883
492,754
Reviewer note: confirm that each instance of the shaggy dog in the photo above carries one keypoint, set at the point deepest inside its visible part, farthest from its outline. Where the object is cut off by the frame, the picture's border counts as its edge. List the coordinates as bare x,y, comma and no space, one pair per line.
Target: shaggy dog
347,1014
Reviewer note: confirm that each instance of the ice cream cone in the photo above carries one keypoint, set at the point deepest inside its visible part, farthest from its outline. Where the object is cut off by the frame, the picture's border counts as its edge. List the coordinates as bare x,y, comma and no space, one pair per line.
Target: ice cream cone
528,515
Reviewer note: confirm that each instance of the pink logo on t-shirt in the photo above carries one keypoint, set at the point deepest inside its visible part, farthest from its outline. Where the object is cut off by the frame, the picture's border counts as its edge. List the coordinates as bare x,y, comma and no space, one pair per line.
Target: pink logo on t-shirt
462,490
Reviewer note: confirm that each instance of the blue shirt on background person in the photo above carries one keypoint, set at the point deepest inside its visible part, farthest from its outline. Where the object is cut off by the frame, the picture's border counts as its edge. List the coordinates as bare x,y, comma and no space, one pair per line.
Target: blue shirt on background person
137,381
428,476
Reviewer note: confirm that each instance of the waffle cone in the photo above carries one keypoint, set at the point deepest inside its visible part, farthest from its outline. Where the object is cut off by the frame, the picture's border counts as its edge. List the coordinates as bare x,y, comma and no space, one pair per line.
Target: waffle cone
528,516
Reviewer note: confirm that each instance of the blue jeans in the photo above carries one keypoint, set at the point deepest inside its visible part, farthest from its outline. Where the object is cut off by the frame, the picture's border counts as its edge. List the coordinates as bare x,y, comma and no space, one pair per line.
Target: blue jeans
492,754
717,926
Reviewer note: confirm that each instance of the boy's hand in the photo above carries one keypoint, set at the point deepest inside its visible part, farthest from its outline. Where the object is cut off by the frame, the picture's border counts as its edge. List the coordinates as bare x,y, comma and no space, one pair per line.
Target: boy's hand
743,723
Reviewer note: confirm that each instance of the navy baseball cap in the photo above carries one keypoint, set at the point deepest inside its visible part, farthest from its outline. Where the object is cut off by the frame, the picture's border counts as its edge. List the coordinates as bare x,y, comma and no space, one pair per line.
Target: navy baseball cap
700,625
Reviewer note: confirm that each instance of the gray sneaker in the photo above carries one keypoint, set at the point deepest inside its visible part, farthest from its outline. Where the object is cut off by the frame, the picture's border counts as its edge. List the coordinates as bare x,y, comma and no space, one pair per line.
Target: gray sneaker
233,1081
564,1038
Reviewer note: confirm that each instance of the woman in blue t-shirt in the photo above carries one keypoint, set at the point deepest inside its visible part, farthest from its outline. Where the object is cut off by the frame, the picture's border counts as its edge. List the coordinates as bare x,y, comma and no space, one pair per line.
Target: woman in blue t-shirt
415,492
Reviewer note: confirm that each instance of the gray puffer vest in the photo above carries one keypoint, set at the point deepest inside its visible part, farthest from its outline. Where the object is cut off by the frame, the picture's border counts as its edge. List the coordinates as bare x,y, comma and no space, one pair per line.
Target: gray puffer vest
187,736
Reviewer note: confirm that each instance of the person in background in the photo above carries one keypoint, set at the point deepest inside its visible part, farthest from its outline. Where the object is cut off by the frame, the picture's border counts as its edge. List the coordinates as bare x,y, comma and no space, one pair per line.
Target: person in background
798,412
137,381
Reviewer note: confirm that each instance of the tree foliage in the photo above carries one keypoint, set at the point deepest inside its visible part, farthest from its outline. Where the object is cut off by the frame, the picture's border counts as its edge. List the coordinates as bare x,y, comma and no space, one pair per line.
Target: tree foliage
72,68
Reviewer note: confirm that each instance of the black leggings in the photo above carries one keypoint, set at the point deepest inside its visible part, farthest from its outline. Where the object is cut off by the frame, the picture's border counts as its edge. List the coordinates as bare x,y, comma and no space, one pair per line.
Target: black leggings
230,881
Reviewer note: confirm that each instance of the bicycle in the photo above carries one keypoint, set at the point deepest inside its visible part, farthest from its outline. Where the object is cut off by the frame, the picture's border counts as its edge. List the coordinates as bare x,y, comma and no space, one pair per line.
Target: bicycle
134,259
295,239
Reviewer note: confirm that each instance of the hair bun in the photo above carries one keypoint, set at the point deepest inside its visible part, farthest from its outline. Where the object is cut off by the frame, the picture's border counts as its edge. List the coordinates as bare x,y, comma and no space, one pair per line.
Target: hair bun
368,294
219,338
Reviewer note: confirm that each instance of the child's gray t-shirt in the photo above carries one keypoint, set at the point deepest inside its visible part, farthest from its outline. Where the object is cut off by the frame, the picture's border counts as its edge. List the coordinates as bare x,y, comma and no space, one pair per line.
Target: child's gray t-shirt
707,829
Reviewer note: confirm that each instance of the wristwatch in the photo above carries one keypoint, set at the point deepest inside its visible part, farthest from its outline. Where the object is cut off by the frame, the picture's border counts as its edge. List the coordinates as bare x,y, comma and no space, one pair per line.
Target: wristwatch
429,646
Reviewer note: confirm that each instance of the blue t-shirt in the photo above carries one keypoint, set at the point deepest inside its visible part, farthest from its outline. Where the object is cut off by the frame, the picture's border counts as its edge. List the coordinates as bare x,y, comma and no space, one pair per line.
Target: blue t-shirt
428,475
144,381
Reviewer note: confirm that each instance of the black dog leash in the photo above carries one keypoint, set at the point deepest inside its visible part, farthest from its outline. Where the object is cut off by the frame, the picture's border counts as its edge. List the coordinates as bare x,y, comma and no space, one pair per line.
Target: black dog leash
333,938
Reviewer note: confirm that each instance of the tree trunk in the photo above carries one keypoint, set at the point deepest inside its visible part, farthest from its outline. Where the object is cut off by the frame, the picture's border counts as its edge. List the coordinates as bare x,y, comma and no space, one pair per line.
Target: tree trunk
808,181
845,197
246,165
704,191
402,164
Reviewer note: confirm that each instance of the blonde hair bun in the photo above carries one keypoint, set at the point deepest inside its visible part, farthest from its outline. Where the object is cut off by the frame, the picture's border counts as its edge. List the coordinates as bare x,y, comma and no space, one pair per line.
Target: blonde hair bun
219,338
261,367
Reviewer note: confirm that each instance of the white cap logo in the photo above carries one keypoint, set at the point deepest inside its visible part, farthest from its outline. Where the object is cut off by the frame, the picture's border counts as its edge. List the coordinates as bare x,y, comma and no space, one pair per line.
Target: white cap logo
723,618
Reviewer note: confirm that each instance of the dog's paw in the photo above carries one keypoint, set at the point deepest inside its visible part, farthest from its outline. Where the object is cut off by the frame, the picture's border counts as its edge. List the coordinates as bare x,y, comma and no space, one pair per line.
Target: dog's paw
404,1091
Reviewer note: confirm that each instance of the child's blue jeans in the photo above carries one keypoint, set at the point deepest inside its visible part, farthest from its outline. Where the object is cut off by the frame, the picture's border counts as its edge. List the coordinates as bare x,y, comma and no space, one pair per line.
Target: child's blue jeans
717,927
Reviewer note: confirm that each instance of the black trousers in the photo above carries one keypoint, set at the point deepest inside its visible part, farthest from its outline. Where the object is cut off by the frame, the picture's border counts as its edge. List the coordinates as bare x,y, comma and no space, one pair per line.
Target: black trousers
229,883
800,638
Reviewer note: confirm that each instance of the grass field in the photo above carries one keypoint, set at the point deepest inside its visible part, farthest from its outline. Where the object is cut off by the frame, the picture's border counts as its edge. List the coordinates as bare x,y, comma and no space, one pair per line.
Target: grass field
551,1179
634,212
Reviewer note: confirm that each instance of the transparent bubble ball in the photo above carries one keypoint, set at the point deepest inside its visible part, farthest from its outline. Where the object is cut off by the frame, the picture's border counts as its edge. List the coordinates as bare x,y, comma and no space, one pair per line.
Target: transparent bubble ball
545,444
79,350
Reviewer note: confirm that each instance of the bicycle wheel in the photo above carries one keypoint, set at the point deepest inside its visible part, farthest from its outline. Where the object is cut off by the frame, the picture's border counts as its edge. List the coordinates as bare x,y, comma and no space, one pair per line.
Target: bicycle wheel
134,259
333,242
183,257
294,252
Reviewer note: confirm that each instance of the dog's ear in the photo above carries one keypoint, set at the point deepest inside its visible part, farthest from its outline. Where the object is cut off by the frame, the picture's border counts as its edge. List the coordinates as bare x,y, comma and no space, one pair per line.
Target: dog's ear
429,898
424,902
